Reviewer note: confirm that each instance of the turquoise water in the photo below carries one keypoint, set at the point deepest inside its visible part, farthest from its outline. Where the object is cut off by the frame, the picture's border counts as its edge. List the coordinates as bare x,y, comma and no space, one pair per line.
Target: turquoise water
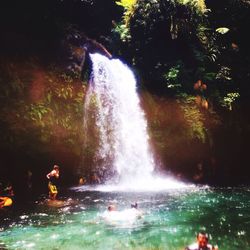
170,221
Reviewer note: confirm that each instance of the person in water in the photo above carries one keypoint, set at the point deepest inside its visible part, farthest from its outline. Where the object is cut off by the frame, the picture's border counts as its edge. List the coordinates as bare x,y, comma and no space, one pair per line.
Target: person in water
53,177
119,217
81,181
201,243
134,205
95,179
5,201
112,208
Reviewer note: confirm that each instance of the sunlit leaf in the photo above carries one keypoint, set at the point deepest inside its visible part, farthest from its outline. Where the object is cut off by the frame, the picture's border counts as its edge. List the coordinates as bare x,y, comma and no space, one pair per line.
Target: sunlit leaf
222,30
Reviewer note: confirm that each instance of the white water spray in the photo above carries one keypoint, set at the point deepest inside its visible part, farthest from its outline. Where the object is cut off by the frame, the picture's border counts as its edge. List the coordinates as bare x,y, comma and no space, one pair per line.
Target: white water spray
123,141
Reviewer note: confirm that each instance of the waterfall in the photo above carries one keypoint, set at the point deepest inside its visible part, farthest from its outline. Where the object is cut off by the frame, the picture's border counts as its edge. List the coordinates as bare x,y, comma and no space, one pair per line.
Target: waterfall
119,128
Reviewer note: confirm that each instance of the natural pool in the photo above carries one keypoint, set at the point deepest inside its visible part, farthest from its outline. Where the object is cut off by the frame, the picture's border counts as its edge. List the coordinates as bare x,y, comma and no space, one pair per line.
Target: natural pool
170,221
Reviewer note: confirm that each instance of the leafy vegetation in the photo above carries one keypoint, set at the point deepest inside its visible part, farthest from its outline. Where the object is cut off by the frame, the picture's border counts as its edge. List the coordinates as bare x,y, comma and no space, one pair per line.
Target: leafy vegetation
195,52
46,105
192,58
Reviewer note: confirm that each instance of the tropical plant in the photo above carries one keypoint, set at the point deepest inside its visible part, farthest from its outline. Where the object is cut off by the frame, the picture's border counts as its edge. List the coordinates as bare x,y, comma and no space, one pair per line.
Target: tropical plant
193,117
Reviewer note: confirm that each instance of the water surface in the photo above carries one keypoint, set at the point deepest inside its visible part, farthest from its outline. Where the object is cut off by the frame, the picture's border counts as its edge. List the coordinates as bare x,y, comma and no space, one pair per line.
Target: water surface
170,221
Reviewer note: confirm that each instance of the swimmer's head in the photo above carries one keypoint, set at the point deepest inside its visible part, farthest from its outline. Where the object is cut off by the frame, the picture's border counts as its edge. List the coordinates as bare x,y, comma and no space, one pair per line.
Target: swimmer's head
111,208
135,205
202,239
56,167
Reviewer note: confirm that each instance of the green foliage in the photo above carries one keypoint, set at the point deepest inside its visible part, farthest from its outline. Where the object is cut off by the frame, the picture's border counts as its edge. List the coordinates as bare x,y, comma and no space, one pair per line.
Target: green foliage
224,73
208,41
123,32
154,27
193,117
222,30
198,5
172,77
229,99
175,44
52,117
126,4
123,28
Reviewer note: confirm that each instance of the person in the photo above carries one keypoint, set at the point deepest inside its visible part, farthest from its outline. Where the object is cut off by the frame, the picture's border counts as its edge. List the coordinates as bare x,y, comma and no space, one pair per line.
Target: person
95,179
82,181
9,190
136,211
199,175
122,217
134,205
202,243
111,208
29,175
53,176
5,201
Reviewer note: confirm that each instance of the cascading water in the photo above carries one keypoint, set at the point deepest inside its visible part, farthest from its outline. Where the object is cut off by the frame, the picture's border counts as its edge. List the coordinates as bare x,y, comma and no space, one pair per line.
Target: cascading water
112,104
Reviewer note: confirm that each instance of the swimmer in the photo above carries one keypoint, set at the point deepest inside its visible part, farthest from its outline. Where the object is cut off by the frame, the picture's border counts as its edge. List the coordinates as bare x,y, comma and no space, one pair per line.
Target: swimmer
5,202
112,208
135,205
82,181
127,216
202,243
134,208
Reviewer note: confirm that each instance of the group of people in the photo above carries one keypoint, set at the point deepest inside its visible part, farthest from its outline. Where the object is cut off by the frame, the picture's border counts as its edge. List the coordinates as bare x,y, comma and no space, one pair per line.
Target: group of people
93,179
53,176
7,192
202,238
124,217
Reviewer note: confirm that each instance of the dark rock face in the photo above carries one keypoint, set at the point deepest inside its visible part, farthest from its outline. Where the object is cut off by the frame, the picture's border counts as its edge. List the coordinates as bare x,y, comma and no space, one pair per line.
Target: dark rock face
77,47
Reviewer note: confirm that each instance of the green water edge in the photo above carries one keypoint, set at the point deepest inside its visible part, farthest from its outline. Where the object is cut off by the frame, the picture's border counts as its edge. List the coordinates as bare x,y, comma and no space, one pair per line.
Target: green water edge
170,221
